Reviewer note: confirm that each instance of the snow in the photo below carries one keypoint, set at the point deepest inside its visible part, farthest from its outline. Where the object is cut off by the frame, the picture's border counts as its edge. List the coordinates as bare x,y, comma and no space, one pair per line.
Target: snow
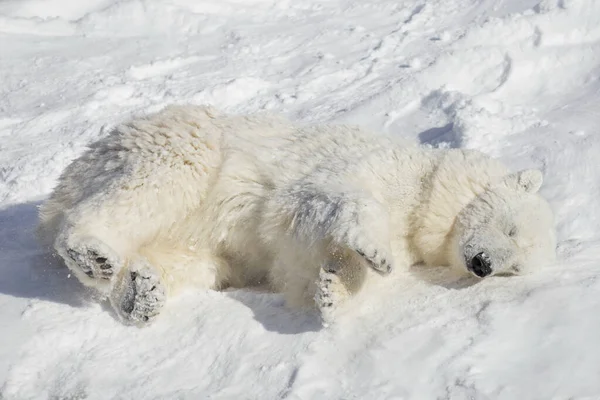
518,79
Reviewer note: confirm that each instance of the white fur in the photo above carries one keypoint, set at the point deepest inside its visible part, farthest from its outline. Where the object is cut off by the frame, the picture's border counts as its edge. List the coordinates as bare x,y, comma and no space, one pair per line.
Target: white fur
208,200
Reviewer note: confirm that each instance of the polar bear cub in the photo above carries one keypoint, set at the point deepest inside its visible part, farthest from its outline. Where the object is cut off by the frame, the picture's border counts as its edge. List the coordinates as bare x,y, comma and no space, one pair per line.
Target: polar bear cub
190,197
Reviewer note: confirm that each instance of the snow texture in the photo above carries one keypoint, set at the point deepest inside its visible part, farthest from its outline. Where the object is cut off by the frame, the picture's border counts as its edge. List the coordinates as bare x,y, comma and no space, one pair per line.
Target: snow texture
517,79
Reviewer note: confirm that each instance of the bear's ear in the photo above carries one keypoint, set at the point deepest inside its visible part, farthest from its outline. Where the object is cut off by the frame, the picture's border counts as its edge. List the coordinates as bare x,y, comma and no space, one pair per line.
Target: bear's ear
528,180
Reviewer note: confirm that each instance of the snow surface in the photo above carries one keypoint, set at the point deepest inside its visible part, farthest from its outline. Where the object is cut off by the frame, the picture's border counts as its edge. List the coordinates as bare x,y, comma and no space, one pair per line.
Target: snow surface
518,79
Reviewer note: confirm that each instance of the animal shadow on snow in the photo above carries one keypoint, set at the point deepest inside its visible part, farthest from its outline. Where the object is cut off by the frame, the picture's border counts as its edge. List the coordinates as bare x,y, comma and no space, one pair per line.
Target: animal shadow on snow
446,137
28,270
269,310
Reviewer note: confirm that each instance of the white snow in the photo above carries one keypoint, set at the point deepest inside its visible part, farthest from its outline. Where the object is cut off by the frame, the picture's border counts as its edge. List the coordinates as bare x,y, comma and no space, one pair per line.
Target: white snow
518,79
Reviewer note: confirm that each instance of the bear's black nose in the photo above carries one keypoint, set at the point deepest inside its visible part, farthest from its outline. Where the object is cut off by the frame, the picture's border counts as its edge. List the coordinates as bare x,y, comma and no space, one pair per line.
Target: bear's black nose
481,265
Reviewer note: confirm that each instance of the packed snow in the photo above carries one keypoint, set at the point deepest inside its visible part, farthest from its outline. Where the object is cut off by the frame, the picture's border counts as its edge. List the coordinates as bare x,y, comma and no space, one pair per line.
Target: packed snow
517,79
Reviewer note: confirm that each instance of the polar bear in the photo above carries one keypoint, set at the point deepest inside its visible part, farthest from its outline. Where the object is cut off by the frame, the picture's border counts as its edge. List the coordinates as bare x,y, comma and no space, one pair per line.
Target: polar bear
192,198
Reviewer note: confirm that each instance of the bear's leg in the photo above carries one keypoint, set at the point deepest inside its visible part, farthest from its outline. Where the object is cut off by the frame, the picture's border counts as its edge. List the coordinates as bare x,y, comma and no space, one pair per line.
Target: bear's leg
185,267
139,295
322,276
160,269
350,219
294,272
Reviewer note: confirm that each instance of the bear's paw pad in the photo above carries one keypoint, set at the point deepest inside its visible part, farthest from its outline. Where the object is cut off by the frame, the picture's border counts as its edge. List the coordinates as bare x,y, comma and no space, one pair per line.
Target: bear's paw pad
330,294
93,263
376,260
144,297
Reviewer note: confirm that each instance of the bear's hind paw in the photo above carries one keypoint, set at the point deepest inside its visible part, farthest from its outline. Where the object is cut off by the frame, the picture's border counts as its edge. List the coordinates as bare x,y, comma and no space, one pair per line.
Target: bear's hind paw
93,263
141,297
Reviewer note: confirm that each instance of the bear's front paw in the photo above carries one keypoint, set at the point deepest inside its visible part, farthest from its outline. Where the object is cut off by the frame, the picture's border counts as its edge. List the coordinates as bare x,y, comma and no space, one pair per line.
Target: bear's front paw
377,257
376,260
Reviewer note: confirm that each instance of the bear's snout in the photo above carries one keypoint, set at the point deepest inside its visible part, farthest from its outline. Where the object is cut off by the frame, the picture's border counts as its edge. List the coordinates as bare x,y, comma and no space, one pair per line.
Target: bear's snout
480,265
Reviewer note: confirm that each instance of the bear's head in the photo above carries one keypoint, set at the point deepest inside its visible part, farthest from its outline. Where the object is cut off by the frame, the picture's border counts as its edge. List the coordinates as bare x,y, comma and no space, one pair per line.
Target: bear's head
508,229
